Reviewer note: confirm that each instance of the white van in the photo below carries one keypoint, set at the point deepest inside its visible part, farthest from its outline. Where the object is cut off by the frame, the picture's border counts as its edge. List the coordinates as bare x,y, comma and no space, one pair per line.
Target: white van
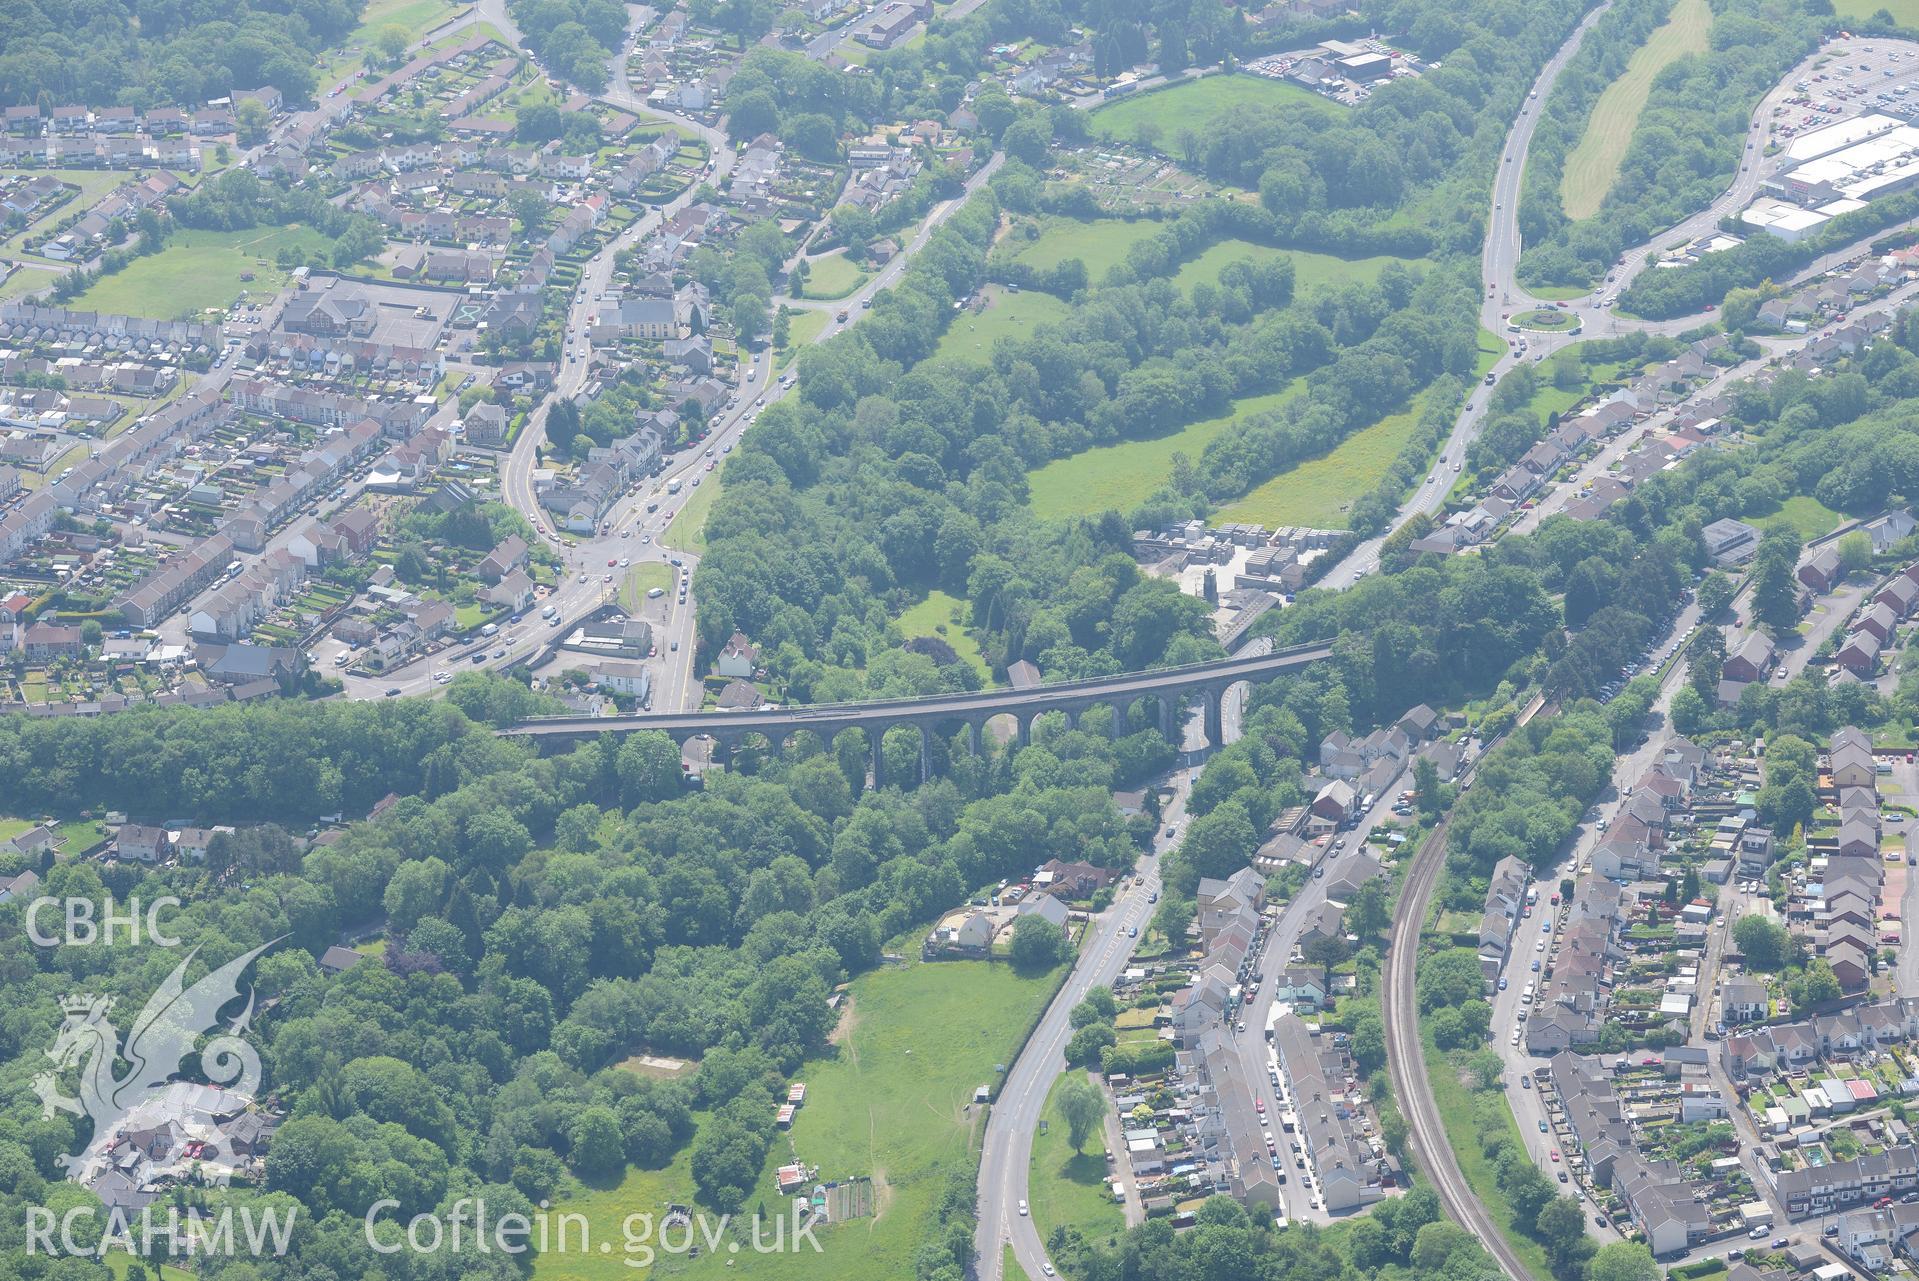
490,629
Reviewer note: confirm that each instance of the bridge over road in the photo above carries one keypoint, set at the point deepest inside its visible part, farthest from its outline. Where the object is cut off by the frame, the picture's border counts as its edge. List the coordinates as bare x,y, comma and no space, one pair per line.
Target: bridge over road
1169,688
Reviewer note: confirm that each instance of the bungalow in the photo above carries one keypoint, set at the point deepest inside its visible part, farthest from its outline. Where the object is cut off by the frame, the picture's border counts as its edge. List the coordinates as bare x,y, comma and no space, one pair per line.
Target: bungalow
1894,527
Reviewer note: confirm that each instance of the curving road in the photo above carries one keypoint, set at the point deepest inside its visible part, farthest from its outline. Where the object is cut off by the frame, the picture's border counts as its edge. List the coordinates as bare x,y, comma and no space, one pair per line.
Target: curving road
1498,259
1504,297
631,531
1006,1150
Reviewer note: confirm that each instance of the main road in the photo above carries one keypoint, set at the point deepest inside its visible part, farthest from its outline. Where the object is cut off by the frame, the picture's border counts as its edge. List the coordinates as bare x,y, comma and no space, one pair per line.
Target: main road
1502,295
630,531
1007,1149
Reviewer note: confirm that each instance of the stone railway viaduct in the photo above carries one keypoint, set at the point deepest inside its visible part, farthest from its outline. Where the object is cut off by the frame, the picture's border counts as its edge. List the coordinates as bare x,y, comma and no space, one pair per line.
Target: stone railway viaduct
1170,689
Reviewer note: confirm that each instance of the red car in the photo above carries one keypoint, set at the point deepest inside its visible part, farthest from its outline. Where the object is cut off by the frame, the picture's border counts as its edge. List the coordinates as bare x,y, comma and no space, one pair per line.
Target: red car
611,561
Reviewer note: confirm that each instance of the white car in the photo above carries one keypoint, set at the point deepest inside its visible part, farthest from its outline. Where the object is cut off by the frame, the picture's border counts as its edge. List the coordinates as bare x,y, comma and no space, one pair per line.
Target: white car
1022,1207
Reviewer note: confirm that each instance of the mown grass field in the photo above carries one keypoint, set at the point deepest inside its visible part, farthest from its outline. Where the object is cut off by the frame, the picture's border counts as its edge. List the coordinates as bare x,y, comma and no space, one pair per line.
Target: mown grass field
609,1212
200,269
417,16
971,335
1807,515
803,327
687,533
833,276
1120,476
892,1101
1904,12
643,578
1319,491
119,1261
1198,104
1310,270
1100,243
1068,1189
943,616
1593,165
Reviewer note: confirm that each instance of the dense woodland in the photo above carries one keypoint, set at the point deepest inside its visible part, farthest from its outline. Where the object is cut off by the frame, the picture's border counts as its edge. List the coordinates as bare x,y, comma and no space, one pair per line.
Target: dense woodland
139,54
892,474
1687,143
545,918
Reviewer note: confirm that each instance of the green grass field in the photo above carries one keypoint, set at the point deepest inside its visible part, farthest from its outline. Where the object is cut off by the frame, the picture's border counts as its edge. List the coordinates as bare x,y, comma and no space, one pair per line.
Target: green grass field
1593,165
1309,269
1100,243
118,1261
200,269
944,617
971,335
608,1211
833,276
1319,491
1807,515
1198,104
1557,293
25,280
802,328
417,16
1069,1189
1904,12
1120,476
892,1101
687,533
643,578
